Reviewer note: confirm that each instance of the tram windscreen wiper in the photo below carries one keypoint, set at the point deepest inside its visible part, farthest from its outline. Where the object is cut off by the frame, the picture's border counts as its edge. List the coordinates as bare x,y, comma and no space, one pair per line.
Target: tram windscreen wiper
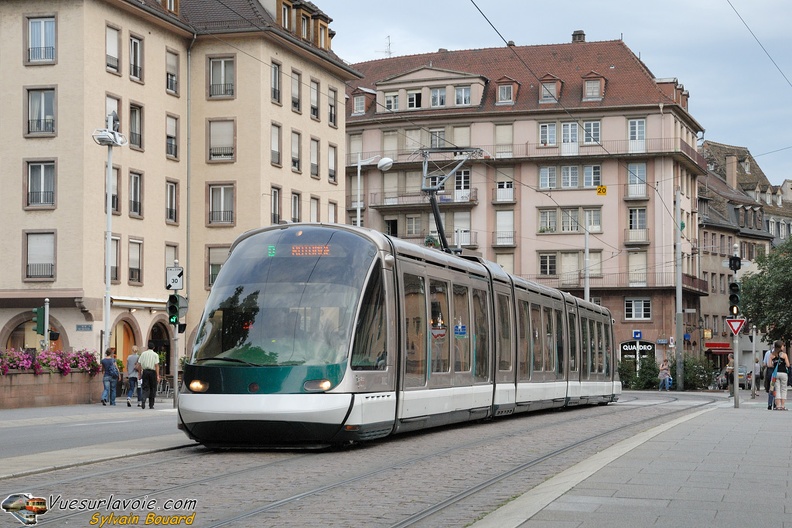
232,360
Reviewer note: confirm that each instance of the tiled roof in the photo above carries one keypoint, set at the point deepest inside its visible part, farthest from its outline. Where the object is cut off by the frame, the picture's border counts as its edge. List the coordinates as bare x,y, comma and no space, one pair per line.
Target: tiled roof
628,82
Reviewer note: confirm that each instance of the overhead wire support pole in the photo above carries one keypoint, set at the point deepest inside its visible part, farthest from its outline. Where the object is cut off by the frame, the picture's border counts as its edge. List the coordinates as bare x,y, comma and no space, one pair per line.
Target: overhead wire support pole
459,154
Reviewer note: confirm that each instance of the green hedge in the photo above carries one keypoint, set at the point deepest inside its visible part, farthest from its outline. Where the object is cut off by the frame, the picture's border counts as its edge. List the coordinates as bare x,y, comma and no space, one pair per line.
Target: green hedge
697,371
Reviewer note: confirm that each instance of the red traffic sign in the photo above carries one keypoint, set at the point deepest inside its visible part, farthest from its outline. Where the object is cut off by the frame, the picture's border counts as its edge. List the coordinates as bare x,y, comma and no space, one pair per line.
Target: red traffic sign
735,325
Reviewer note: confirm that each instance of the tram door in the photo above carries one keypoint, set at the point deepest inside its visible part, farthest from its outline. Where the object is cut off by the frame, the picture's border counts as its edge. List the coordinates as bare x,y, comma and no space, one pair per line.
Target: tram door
505,352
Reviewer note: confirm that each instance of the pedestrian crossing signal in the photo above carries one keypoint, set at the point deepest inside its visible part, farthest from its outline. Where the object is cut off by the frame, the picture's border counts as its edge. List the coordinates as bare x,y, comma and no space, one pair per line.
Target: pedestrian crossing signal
173,309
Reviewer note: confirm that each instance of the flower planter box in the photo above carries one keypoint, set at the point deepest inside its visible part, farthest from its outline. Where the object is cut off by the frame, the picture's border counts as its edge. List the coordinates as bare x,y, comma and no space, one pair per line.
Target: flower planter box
25,389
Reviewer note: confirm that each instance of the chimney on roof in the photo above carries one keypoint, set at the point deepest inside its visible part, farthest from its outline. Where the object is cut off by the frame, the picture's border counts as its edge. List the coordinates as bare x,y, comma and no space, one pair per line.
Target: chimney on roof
578,36
510,43
731,171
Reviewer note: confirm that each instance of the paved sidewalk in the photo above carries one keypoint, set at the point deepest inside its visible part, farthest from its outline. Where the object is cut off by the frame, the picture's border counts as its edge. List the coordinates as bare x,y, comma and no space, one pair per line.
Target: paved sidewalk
719,467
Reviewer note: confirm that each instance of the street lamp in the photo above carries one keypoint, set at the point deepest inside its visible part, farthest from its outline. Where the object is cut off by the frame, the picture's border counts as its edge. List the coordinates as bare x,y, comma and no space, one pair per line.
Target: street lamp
109,137
383,165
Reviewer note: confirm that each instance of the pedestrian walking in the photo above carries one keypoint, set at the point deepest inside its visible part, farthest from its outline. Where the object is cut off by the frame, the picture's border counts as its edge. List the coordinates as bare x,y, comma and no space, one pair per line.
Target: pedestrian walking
756,377
767,365
729,373
110,377
149,365
132,376
781,363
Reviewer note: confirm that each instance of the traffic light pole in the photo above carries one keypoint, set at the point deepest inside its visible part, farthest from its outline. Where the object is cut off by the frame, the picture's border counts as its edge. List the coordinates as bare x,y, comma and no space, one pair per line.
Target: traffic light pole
735,261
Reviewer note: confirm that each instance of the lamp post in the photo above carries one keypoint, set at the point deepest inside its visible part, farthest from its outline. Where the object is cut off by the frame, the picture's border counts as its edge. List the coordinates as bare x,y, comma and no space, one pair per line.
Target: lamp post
383,165
110,138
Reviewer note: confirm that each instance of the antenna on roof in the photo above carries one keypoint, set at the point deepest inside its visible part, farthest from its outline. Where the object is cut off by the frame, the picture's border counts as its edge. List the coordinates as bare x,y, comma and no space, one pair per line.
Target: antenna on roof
388,50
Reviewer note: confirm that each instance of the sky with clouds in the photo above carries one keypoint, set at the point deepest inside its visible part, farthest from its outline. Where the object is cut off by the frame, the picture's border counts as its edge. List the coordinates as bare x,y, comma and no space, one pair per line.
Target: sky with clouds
734,57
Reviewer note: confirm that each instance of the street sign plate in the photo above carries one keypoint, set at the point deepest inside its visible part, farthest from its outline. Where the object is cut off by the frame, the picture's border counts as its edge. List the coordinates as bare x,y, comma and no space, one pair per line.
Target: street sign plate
174,278
735,325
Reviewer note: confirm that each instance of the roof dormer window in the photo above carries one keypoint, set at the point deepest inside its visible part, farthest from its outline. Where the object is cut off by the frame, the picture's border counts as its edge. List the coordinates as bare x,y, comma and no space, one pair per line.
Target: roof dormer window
359,104
286,15
549,93
505,93
593,89
305,27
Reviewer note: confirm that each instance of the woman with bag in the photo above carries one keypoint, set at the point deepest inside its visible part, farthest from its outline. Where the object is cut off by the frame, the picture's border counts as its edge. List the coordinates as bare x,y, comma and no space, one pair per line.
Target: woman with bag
110,377
664,376
780,373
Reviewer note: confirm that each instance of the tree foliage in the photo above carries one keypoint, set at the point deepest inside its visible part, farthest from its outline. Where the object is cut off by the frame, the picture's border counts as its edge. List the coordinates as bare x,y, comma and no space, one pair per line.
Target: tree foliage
765,295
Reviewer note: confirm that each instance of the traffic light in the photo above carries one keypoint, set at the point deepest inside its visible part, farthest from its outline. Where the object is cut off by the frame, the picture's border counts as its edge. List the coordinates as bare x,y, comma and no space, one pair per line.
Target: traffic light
38,320
734,299
173,309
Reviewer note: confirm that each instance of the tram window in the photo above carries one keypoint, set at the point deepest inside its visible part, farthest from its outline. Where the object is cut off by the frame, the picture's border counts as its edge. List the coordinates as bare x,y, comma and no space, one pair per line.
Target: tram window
549,344
504,333
559,344
573,346
593,345
415,334
600,349
369,351
537,344
585,353
481,345
441,341
461,329
524,341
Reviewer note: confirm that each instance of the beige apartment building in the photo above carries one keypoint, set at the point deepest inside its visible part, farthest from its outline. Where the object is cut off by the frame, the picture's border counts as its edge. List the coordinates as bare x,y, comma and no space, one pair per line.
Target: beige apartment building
582,156
233,113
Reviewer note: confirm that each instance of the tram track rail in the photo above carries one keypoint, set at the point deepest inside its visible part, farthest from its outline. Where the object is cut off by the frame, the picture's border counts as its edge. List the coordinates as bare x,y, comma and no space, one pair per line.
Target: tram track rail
288,461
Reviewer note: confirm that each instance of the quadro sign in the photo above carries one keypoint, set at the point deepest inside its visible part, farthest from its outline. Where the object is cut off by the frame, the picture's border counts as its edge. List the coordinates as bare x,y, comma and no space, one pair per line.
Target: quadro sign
735,325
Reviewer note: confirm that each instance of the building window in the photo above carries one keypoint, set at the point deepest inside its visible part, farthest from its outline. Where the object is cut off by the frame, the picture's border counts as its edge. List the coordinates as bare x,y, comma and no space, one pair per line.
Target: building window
569,220
41,111
136,126
171,137
41,184
315,99
115,258
40,256
547,264
171,72
549,93
547,178
305,27
547,221
437,137
414,99
136,58
547,134
462,95
322,36
636,180
505,93
286,15
171,202
593,219
135,194
296,90
413,225
216,258
359,103
113,58
276,82
438,97
275,144
592,90
591,132
221,141
41,39
221,77
332,97
332,158
592,175
637,309
221,204
314,210
275,206
114,192
569,177
392,101
332,215
314,157
135,261
637,129
295,207
295,151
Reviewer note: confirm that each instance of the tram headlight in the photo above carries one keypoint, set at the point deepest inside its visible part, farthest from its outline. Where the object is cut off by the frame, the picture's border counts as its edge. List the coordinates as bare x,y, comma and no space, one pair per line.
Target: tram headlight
197,385
317,385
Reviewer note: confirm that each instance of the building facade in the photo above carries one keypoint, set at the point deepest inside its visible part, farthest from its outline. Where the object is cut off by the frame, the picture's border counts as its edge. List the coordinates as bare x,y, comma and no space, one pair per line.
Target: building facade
232,115
582,155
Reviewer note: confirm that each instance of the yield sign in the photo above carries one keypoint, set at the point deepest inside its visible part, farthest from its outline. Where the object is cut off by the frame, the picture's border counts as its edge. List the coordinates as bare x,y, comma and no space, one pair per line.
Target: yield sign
735,325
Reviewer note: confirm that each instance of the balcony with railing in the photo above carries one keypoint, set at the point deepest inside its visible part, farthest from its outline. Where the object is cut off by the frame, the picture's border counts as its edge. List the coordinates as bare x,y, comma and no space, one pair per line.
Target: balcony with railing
170,214
44,54
135,207
41,198
111,62
41,126
136,71
502,195
636,236
40,271
171,147
624,280
276,95
171,83
221,217
674,147
136,139
221,90
456,238
135,274
504,238
221,153
395,199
